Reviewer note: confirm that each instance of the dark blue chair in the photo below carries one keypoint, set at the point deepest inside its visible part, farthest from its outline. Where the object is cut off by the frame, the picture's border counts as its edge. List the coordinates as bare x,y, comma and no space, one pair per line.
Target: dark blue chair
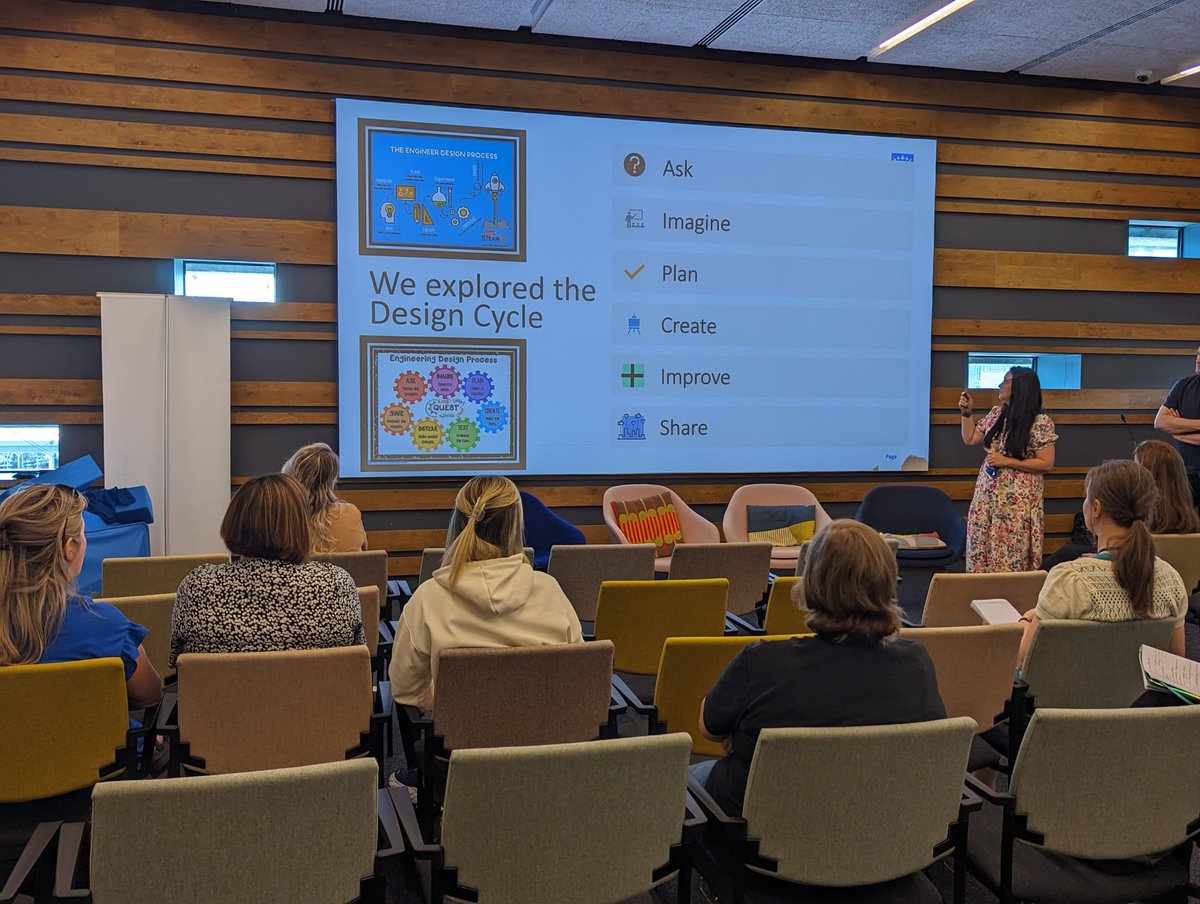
544,529
904,509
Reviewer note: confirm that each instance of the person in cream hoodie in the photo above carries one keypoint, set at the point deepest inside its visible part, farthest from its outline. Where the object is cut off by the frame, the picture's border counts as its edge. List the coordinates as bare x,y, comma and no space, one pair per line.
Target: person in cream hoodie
485,594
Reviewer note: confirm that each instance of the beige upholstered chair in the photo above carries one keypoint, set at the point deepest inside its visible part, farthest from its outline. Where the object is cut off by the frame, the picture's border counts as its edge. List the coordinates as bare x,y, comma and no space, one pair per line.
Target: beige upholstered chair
1182,551
948,602
276,837
580,570
368,602
150,575
1090,664
847,807
431,561
1093,785
695,528
974,667
368,568
154,613
598,821
747,567
239,712
783,558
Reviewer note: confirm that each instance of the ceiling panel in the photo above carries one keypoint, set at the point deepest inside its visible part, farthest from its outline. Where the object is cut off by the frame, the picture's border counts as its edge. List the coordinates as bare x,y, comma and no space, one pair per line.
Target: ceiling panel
678,22
838,29
507,15
307,6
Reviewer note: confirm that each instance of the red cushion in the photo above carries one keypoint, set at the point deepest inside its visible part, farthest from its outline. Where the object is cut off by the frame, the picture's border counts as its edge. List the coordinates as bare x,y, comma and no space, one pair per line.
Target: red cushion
650,520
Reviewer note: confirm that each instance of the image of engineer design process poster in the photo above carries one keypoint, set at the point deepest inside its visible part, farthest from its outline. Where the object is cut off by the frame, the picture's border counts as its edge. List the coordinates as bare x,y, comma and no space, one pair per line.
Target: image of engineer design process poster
552,294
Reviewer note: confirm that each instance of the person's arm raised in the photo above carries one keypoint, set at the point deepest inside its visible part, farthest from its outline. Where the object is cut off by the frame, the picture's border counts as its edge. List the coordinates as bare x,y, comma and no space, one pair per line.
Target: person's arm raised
971,434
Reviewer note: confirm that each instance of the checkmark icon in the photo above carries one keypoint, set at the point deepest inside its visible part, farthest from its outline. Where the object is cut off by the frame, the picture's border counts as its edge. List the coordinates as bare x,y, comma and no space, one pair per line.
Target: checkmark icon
640,268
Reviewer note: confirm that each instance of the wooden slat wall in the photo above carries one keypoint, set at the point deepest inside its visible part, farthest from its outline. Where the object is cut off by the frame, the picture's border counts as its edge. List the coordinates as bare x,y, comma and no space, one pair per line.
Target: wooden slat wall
250,98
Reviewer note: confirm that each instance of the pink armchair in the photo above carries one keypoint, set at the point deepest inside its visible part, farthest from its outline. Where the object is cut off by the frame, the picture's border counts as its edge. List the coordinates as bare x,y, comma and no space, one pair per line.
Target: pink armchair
695,528
783,558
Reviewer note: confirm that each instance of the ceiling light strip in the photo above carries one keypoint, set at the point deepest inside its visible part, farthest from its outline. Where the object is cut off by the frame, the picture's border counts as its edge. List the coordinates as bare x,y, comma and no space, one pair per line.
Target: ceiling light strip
1178,75
728,22
1096,36
917,27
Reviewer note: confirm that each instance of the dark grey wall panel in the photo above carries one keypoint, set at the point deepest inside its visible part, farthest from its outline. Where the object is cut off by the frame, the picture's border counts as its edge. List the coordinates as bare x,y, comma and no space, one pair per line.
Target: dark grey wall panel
301,282
164,191
278,359
1079,445
1142,372
263,448
1037,304
948,369
61,274
1011,233
75,440
50,357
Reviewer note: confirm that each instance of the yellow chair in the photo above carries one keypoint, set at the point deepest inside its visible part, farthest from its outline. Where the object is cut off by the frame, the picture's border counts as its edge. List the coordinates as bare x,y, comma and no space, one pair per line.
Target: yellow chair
153,612
64,724
146,575
638,617
784,616
689,667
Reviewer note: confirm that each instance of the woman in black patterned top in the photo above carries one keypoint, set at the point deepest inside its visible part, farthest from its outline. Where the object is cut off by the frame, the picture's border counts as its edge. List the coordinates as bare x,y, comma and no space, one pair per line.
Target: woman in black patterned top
272,598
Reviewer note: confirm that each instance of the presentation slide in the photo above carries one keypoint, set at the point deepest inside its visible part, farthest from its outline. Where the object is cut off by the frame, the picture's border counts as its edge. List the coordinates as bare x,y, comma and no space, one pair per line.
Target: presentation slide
528,293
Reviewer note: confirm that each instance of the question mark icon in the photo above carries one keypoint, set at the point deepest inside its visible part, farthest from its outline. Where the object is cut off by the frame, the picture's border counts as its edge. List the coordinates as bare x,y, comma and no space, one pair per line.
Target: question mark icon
635,164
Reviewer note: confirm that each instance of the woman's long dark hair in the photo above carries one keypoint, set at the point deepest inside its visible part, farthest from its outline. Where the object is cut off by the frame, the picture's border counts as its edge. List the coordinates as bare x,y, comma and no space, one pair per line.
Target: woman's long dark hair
1017,414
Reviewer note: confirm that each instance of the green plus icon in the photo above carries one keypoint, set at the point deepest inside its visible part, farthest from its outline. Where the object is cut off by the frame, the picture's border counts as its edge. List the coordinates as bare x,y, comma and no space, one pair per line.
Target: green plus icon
633,376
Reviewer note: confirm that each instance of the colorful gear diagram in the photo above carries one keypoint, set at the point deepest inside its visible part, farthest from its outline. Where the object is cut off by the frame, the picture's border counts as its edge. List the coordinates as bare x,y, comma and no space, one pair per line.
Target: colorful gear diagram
478,386
445,381
427,434
462,435
492,417
396,419
410,387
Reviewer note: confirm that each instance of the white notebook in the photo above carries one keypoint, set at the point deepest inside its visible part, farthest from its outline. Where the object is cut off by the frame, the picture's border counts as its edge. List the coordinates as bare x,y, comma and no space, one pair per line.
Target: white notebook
995,612
1166,672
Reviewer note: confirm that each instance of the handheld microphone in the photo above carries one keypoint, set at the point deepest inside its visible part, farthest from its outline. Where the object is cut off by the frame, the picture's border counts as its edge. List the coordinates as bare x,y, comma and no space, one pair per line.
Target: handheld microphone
1132,439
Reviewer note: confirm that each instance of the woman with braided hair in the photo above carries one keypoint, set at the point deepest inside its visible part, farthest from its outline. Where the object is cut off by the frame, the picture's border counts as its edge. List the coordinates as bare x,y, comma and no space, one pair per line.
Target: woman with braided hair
42,616
485,594
1125,580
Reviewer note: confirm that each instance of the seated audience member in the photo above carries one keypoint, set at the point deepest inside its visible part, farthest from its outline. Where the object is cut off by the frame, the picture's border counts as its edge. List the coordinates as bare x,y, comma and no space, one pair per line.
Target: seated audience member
484,595
1174,512
42,617
272,598
337,525
1124,580
855,670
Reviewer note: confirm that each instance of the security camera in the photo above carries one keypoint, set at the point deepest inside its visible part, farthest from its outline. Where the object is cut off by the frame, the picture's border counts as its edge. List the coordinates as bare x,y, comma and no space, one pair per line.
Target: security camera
1143,75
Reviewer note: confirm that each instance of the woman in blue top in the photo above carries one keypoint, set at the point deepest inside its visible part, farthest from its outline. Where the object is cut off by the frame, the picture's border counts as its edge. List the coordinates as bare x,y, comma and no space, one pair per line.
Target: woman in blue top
42,619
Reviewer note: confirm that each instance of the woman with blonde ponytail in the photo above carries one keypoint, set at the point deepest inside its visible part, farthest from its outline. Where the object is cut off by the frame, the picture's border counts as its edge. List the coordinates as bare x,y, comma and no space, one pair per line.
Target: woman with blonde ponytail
1125,580
485,594
42,618
337,525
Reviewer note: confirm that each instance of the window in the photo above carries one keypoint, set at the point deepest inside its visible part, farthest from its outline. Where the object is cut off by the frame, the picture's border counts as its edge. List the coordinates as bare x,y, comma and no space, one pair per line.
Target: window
24,449
1155,240
239,280
986,370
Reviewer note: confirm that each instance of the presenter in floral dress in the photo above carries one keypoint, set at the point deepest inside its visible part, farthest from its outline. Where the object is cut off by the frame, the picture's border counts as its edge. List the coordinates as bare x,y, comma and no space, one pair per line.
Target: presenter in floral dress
1005,525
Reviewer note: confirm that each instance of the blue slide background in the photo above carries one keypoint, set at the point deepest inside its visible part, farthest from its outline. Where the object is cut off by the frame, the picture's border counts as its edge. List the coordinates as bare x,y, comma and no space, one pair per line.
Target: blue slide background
771,285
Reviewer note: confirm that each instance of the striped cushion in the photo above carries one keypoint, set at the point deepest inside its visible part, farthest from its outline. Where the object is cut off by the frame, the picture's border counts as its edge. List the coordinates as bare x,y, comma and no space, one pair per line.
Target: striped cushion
650,520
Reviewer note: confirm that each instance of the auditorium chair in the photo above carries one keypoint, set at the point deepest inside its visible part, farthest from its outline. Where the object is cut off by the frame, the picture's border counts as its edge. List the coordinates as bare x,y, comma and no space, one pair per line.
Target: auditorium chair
150,575
580,570
694,527
63,728
784,616
431,561
733,525
747,567
1095,799
638,617
847,814
308,833
598,821
153,612
689,667
241,712
948,601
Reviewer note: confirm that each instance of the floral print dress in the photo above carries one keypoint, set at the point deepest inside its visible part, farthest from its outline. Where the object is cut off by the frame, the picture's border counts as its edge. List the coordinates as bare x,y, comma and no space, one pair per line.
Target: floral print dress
1006,523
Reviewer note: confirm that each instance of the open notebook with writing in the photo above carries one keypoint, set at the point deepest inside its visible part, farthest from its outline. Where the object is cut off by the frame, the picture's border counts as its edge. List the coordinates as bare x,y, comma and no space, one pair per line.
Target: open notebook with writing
1170,674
